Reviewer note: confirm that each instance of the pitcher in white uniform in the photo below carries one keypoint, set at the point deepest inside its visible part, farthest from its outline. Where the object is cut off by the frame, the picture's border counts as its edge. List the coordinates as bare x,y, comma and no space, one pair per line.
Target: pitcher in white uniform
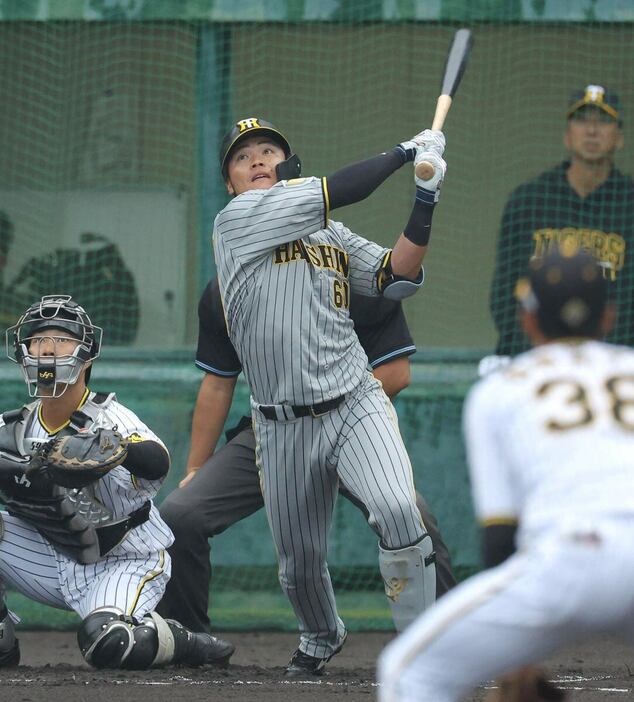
550,444
100,550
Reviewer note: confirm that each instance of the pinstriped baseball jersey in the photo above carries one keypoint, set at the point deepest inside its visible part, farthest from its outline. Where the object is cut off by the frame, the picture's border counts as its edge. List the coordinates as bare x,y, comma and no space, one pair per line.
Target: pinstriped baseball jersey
285,274
132,576
119,491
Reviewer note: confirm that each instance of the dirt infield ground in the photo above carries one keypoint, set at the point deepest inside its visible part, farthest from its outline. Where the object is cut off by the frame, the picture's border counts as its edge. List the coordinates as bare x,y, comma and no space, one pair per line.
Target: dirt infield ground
52,669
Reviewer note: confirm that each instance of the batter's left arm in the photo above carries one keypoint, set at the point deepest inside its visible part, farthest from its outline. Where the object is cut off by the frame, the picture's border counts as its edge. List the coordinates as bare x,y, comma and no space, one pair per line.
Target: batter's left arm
410,249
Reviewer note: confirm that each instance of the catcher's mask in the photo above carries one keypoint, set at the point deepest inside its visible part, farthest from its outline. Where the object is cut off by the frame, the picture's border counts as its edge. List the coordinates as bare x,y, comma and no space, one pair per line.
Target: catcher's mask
50,375
250,126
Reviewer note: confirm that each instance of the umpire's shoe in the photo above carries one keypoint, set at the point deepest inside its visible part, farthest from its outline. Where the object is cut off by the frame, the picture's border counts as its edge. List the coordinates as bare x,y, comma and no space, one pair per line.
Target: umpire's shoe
195,649
303,665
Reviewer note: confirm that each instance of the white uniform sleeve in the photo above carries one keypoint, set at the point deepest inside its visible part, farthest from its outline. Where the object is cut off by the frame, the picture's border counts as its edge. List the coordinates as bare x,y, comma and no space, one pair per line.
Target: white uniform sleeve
495,494
258,221
365,258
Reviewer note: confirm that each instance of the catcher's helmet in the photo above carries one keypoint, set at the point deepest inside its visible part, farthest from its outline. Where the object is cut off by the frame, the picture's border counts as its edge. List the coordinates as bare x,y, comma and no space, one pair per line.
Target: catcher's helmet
43,373
567,290
250,126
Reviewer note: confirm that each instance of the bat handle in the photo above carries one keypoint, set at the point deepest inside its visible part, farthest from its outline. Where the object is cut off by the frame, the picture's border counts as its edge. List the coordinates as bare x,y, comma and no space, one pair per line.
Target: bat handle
426,170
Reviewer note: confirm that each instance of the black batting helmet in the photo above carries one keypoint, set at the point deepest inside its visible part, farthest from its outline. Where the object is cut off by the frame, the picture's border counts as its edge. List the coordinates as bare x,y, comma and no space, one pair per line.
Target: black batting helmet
567,291
251,126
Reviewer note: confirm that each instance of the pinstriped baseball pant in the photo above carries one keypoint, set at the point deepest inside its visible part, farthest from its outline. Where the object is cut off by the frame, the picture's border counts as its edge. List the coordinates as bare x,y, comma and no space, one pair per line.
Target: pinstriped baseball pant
301,463
34,568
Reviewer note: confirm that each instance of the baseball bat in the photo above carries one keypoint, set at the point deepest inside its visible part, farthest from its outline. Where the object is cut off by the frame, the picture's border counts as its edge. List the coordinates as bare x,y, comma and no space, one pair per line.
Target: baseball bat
452,75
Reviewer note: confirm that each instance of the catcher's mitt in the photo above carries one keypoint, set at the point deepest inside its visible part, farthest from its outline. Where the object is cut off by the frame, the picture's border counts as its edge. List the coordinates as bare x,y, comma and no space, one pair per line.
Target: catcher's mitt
528,684
79,459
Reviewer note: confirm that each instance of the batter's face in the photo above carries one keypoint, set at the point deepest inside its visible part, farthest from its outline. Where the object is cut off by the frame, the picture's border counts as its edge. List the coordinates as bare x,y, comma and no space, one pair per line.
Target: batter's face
251,165
592,135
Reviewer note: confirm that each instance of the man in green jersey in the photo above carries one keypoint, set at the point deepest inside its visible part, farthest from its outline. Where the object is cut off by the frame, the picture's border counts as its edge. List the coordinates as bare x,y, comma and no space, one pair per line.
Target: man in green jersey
585,200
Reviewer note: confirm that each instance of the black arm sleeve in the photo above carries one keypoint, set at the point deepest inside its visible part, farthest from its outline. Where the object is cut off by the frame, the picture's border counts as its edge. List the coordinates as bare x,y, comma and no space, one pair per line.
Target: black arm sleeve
498,543
355,182
147,459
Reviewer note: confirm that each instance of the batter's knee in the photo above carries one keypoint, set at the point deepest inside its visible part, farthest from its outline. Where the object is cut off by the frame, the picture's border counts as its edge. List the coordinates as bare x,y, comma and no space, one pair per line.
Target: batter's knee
398,521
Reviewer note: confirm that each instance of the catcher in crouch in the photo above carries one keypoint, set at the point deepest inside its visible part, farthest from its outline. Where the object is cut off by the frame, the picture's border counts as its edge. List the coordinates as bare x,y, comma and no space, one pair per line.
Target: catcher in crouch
78,471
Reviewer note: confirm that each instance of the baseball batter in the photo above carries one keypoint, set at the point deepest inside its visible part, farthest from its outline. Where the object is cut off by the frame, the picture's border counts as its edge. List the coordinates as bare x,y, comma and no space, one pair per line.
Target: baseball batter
550,441
223,487
285,272
99,550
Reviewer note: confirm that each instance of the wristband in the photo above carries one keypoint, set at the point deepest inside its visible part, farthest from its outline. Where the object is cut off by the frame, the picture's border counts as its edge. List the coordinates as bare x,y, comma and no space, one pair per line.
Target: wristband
418,228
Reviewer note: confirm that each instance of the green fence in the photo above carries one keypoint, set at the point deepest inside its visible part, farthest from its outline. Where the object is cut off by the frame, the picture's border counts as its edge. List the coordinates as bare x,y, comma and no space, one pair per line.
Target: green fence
112,115
245,592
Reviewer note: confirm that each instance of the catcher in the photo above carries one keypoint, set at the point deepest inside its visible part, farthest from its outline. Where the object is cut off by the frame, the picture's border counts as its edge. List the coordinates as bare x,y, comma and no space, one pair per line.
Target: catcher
78,471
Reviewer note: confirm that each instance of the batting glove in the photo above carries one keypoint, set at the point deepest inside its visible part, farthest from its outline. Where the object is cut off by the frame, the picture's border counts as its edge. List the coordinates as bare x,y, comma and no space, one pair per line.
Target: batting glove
429,190
491,364
427,140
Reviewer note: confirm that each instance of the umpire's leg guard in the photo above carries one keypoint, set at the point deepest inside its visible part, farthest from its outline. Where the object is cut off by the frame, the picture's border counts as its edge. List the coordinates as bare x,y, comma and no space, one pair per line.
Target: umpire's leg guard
409,576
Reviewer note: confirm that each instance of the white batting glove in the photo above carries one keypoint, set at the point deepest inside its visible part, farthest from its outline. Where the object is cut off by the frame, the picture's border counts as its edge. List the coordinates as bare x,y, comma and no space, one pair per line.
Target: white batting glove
427,140
491,364
431,187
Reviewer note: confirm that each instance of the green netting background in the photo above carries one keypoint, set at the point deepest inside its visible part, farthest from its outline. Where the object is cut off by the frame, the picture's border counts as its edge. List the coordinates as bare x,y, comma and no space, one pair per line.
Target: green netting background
111,117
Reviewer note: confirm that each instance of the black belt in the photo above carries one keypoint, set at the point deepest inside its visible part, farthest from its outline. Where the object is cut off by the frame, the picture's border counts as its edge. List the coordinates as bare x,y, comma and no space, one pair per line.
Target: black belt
288,412
111,535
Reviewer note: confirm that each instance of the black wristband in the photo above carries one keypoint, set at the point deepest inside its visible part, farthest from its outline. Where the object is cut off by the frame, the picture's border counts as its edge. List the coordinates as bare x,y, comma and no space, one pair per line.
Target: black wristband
408,154
418,228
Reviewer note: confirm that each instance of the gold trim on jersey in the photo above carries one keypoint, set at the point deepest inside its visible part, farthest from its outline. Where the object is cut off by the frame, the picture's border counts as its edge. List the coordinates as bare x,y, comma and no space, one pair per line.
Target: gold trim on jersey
50,431
499,521
146,579
324,189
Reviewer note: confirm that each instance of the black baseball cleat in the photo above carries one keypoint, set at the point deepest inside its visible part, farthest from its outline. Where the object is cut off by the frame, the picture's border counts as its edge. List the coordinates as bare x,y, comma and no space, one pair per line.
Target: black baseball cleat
197,648
206,649
302,665
10,658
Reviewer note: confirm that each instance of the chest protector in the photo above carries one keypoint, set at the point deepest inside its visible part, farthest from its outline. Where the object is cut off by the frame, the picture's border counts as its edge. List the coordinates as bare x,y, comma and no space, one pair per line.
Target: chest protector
71,519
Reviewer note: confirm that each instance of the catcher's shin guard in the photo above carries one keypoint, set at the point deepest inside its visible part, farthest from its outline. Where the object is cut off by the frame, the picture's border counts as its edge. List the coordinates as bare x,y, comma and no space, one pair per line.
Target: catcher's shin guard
108,638
409,576
9,645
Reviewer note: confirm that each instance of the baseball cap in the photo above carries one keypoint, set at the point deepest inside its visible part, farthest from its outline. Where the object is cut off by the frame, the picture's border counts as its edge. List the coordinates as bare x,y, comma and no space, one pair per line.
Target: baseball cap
597,96
566,290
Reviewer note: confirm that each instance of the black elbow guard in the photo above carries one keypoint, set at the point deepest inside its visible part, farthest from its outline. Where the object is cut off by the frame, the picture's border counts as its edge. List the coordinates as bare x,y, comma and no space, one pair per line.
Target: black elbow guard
147,459
395,287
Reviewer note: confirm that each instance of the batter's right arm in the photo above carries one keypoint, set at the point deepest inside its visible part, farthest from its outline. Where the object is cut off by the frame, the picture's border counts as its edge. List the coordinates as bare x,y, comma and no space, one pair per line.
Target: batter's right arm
210,413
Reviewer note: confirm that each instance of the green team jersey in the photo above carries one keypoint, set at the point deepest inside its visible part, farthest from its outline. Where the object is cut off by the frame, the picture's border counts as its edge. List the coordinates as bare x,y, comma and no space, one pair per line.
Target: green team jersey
547,210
